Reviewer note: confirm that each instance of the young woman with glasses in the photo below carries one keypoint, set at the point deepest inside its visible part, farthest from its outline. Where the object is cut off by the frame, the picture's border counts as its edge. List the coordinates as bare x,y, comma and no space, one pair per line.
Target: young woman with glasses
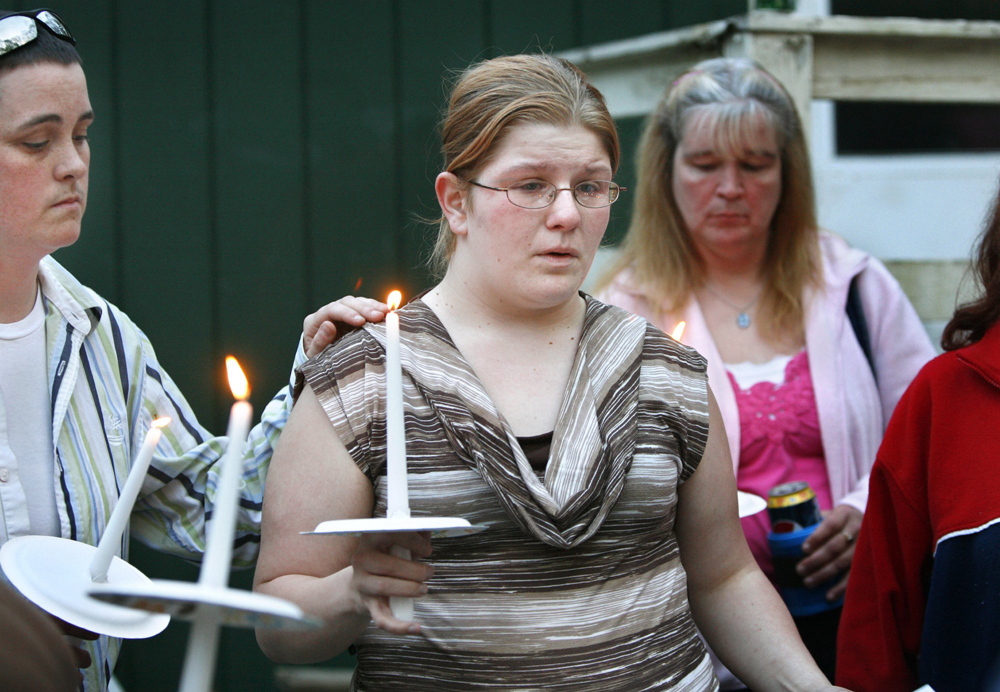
584,439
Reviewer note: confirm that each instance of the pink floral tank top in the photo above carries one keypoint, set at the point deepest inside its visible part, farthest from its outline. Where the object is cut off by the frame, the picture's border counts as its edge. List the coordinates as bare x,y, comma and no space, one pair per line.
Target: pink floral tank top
779,442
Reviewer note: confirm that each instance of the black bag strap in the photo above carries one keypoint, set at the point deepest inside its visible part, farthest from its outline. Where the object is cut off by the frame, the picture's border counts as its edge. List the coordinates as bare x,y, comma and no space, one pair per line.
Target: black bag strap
856,315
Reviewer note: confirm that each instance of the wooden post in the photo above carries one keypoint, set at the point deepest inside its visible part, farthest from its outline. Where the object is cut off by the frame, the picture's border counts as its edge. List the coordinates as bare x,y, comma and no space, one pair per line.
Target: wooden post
788,56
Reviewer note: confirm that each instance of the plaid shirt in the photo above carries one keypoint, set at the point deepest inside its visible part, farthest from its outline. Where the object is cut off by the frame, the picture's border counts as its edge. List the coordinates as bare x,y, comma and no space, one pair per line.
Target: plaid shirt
105,388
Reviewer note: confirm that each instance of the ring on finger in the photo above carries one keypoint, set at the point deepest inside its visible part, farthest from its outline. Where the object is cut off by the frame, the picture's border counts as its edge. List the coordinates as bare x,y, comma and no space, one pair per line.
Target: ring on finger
848,536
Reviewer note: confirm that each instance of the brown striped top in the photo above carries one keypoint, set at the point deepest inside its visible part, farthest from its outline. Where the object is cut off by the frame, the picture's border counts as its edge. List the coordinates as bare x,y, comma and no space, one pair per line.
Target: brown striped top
577,582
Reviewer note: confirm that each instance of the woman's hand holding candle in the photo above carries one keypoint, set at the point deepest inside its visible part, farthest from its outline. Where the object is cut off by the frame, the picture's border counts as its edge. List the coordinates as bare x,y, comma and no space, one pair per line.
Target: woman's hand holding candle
377,572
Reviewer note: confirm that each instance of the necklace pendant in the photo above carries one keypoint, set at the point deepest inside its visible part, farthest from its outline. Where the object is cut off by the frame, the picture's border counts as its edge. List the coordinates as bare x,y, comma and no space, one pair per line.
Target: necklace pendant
743,320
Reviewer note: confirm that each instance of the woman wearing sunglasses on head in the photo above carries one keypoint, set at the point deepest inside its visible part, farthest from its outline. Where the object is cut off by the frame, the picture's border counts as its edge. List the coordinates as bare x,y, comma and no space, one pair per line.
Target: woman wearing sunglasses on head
79,381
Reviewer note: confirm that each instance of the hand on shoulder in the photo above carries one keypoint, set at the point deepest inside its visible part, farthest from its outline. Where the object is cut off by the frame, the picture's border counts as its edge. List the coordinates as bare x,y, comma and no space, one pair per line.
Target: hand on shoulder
323,327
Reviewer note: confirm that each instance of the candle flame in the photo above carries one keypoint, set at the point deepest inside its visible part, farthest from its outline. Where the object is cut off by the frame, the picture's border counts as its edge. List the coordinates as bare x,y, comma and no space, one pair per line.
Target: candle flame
237,380
394,299
161,422
678,330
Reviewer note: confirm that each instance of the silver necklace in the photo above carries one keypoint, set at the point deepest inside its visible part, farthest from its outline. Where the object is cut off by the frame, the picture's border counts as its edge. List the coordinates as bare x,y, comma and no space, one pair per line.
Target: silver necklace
742,313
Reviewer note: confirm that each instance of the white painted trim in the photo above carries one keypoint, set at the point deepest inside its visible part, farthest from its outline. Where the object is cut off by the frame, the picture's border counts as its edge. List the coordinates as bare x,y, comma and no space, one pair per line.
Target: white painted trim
913,207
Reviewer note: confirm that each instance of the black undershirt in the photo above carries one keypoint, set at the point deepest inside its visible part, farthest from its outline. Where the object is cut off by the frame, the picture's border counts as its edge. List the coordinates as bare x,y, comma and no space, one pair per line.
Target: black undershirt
536,448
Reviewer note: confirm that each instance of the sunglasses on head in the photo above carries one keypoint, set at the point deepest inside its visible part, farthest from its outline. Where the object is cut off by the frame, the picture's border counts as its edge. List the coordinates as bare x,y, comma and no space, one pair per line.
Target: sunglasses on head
20,29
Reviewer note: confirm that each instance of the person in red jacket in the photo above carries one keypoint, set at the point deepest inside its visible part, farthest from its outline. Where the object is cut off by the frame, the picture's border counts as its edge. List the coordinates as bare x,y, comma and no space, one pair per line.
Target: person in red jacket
923,604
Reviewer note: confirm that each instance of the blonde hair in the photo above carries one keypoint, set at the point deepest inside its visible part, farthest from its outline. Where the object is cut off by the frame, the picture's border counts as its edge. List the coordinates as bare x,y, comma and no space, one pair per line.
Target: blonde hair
491,97
733,97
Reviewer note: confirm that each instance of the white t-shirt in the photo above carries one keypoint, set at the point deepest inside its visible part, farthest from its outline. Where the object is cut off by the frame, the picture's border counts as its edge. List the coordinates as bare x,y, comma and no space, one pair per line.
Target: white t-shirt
27,481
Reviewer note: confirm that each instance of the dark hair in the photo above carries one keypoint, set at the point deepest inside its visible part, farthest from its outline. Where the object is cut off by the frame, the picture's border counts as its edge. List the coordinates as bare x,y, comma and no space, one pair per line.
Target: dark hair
972,320
46,48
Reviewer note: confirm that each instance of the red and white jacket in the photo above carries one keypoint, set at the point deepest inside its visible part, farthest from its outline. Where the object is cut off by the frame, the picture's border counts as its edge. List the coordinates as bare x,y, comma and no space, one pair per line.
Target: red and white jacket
923,603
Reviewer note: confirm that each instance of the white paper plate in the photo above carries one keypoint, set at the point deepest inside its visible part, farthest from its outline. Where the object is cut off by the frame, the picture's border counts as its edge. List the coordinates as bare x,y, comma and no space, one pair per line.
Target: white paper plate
443,526
190,601
54,574
750,504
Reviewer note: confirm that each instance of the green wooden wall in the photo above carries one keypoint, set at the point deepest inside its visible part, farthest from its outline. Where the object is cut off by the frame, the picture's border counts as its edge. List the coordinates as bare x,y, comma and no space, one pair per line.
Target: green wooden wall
253,159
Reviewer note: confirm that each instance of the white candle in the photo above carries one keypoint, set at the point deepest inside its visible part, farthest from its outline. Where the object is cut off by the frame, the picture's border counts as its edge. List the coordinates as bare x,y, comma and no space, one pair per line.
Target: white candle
397,501
202,651
122,511
203,640
397,493
219,544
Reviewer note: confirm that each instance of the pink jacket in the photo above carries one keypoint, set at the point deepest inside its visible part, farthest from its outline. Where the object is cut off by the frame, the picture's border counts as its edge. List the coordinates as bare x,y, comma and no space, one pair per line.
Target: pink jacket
853,411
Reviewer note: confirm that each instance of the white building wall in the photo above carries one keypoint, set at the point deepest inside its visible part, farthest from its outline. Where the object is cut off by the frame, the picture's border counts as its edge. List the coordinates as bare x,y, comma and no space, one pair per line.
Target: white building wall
909,208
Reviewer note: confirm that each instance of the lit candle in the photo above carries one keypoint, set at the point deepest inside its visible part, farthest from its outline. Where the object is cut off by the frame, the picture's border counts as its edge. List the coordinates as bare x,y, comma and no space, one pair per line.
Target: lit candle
112,536
678,330
219,544
397,493
203,641
397,501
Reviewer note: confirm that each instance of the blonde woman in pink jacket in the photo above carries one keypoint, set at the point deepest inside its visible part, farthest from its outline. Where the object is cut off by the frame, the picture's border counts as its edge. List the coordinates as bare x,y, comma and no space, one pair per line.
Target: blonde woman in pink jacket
724,237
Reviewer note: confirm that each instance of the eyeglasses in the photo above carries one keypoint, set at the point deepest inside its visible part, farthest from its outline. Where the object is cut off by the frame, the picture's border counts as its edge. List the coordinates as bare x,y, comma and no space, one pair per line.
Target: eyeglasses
538,194
18,30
